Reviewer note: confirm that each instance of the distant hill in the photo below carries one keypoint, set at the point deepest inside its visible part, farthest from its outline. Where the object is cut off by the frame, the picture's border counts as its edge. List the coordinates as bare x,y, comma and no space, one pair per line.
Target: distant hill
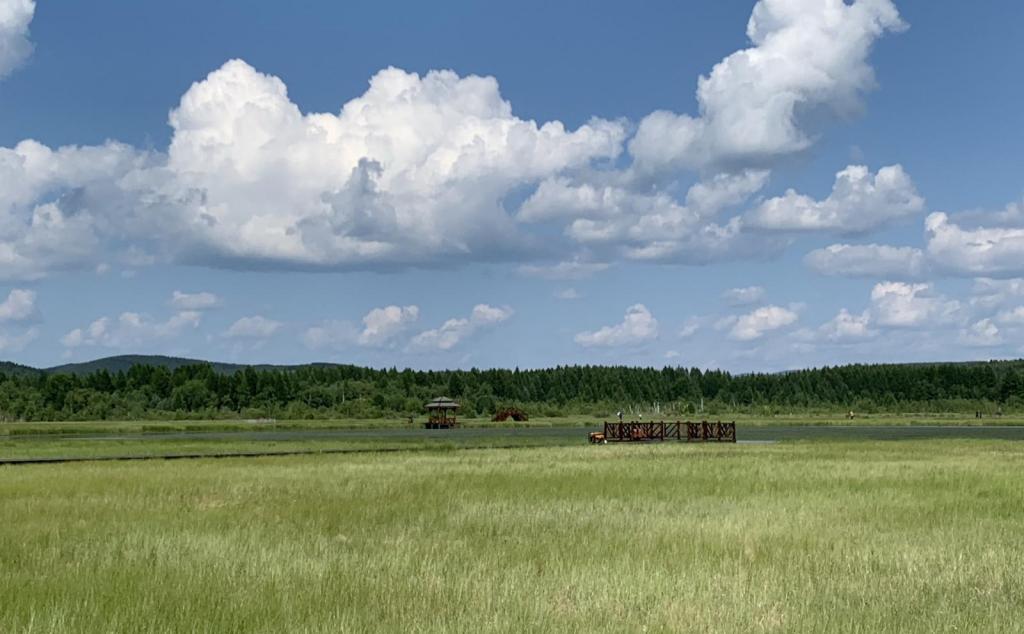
10,368
122,363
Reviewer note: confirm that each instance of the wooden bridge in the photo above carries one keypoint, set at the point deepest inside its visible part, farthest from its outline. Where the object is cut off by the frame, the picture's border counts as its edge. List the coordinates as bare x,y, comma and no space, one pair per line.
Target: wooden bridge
690,432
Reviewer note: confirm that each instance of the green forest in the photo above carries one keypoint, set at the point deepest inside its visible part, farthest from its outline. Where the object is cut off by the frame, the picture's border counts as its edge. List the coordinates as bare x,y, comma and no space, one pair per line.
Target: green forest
202,391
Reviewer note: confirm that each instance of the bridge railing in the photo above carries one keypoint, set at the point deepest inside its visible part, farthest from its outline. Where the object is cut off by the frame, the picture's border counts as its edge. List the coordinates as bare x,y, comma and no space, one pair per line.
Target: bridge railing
689,431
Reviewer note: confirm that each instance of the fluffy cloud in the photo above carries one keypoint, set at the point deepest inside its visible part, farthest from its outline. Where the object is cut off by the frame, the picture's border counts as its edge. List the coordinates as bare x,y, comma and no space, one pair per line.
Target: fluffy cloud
130,330
1014,317
411,172
867,260
981,251
848,327
765,319
454,331
743,296
255,327
988,293
16,343
381,325
981,333
1012,215
568,294
58,207
330,334
690,328
562,198
859,202
418,170
15,16
621,222
20,305
194,301
638,326
568,270
807,56
902,305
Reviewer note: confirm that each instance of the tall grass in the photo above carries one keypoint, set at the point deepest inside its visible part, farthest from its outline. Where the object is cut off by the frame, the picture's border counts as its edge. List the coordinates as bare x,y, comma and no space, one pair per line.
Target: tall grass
864,537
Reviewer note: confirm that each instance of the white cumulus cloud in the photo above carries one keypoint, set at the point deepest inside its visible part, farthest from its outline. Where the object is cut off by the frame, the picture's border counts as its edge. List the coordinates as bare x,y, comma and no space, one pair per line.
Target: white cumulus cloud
418,170
902,305
20,305
130,330
806,56
846,326
411,172
330,334
574,269
981,251
765,319
454,331
381,325
254,327
690,328
17,342
638,326
981,333
860,201
1014,317
623,222
988,293
743,296
194,301
867,260
57,206
15,47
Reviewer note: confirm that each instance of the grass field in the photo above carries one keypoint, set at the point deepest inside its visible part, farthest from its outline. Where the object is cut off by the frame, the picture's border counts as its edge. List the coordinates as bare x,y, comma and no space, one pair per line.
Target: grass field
214,444
920,536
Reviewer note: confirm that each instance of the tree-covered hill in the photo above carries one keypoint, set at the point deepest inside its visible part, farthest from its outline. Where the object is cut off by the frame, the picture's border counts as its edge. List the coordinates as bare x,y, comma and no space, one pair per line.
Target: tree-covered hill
16,369
123,363
160,387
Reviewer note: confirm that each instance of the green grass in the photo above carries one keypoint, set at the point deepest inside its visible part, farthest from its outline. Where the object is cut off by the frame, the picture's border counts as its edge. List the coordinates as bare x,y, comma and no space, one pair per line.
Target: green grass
916,536
79,448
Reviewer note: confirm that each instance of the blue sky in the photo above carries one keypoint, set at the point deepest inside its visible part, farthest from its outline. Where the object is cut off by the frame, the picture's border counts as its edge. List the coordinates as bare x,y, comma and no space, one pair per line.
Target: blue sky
752,186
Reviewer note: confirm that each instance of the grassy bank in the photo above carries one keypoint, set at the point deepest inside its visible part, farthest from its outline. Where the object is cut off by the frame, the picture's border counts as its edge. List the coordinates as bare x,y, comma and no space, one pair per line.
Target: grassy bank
14,449
912,536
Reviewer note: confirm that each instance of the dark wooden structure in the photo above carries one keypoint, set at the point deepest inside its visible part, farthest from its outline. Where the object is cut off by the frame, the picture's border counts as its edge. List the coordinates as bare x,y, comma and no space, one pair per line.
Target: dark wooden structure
690,432
441,413
514,413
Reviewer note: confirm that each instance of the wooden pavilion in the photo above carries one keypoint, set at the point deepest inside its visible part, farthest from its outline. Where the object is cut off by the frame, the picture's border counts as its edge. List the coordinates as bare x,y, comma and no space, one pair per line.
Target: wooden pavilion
441,413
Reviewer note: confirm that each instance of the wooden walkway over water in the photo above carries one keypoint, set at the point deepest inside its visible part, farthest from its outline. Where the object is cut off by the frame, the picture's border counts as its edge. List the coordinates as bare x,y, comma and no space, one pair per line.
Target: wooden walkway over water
691,432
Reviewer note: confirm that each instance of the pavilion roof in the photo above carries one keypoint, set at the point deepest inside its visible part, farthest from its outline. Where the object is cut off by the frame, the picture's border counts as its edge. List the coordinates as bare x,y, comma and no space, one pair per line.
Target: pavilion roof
442,402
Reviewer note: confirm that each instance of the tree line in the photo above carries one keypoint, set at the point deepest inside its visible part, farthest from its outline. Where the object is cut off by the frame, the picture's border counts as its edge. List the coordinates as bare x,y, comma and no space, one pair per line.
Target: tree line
198,391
